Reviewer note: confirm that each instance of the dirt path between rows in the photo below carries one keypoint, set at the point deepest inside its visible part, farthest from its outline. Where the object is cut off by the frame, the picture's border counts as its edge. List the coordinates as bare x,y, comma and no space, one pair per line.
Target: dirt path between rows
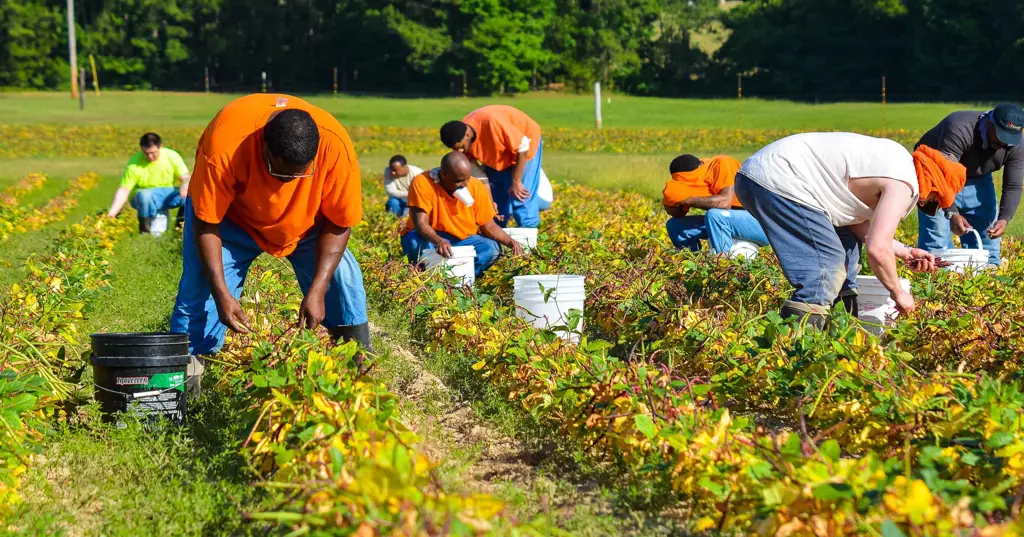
455,426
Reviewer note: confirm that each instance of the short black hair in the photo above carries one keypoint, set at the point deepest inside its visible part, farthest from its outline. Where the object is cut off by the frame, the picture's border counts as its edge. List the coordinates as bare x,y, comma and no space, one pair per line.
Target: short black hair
399,159
684,163
149,140
292,136
452,133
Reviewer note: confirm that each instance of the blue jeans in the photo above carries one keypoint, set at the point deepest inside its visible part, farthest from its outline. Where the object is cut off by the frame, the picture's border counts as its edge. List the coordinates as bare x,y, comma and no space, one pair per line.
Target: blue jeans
195,312
487,250
526,213
150,201
719,227
395,206
819,260
977,203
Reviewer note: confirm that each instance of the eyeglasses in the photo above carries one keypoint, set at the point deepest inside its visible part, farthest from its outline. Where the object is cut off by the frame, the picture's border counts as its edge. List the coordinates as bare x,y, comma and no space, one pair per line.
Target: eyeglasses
312,172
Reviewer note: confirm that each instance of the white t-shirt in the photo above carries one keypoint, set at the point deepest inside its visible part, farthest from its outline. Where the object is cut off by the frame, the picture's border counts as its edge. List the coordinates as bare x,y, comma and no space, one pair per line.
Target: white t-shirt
398,187
814,169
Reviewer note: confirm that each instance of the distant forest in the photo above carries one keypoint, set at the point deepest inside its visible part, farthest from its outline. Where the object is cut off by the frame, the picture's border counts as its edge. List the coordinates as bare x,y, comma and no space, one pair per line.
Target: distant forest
796,49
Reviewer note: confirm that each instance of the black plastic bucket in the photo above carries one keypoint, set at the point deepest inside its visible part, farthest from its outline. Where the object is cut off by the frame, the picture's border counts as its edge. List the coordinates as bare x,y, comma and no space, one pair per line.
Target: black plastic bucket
141,372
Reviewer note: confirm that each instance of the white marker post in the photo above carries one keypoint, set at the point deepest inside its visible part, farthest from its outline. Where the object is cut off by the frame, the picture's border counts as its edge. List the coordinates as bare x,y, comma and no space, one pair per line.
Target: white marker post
597,103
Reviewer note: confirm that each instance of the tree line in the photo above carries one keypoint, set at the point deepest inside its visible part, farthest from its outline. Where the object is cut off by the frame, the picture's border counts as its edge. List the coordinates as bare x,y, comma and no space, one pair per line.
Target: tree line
799,49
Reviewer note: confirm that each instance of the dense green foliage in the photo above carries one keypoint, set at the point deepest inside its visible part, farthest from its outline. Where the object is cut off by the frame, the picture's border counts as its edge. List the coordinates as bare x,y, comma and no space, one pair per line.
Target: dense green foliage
804,49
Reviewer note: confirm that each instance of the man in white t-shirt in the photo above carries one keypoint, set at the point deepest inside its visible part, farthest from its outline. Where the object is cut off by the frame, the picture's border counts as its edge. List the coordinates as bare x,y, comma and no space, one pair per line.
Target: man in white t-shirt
818,196
397,178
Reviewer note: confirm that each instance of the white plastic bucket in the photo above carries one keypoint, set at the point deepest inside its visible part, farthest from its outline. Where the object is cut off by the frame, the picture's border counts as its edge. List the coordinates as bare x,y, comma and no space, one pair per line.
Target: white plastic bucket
159,224
547,300
742,248
874,303
963,258
462,263
525,236
544,190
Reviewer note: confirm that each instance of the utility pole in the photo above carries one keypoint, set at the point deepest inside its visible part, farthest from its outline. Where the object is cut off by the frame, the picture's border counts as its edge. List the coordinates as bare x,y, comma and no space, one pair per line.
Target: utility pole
72,49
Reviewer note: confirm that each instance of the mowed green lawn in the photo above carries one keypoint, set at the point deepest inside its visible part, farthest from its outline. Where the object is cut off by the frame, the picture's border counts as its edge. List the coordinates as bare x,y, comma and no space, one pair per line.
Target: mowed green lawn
152,109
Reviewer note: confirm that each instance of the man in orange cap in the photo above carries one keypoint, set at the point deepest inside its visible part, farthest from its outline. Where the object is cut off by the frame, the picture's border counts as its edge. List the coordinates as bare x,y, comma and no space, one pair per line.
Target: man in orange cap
449,207
707,184
273,174
508,144
818,196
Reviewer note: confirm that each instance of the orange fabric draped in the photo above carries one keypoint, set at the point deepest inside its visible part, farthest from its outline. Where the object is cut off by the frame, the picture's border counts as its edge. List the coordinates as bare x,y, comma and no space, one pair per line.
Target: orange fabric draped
936,173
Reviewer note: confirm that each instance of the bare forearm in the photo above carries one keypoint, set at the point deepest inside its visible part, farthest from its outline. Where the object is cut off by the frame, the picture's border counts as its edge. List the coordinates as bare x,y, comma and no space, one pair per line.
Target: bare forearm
517,173
120,198
422,226
708,202
209,245
882,260
495,233
329,249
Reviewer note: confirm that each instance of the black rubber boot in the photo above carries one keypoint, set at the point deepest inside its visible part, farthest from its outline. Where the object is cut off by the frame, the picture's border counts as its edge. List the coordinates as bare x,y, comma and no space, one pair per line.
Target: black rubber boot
144,225
816,320
852,305
355,332
179,221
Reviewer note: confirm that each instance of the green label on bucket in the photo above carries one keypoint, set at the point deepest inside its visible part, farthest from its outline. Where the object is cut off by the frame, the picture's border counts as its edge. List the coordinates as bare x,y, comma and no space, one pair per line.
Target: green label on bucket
162,381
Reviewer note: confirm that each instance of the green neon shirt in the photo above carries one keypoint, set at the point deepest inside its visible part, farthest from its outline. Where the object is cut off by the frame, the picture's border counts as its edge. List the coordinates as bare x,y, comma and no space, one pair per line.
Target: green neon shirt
141,173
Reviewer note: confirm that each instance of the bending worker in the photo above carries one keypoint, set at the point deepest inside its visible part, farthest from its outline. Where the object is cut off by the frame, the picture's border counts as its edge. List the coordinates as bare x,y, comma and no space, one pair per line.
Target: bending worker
273,174
508,144
819,195
150,174
707,184
983,142
397,177
439,219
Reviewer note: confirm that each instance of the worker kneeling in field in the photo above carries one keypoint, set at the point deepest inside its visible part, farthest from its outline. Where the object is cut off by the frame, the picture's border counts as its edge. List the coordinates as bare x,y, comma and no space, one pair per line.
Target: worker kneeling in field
397,178
150,174
439,218
707,184
819,195
983,142
508,144
273,174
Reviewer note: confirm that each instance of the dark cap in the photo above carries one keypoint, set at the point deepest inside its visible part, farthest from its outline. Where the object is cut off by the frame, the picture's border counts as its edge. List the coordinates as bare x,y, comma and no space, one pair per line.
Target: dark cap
1008,119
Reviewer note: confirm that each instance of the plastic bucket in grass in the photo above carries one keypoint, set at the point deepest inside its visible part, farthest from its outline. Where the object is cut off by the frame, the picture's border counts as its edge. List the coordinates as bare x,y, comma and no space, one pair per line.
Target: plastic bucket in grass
142,373
742,248
462,263
550,300
874,304
525,236
963,259
160,222
545,193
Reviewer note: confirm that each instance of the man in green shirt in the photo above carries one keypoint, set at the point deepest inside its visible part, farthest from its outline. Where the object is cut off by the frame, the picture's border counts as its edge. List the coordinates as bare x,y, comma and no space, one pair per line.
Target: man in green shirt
150,174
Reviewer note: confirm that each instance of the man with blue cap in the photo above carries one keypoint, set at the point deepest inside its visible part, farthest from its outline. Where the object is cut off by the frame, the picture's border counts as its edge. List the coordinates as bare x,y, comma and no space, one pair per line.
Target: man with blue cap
984,142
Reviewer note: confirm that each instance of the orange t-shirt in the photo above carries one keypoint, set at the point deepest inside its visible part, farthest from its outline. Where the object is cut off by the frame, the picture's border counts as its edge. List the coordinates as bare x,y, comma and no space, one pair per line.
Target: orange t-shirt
446,212
231,177
499,133
713,175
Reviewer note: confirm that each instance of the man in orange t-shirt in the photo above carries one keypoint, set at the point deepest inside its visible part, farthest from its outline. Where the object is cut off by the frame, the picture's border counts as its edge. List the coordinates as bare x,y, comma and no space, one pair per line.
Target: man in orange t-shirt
508,144
273,174
707,184
439,219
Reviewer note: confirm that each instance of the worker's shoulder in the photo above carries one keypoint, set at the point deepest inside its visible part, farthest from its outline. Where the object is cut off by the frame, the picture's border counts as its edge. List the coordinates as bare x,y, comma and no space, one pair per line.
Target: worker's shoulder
138,158
966,118
171,153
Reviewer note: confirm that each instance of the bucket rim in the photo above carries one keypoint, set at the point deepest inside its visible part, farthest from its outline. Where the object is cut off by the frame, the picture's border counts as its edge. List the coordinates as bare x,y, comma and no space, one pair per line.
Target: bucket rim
155,338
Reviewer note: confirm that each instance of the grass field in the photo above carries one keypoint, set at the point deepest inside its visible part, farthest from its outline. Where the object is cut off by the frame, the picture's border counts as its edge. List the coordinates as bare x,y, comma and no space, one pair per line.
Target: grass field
152,110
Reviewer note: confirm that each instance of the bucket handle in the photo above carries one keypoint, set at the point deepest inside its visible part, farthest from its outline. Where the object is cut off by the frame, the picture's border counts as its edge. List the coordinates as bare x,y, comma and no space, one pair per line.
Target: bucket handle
976,234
